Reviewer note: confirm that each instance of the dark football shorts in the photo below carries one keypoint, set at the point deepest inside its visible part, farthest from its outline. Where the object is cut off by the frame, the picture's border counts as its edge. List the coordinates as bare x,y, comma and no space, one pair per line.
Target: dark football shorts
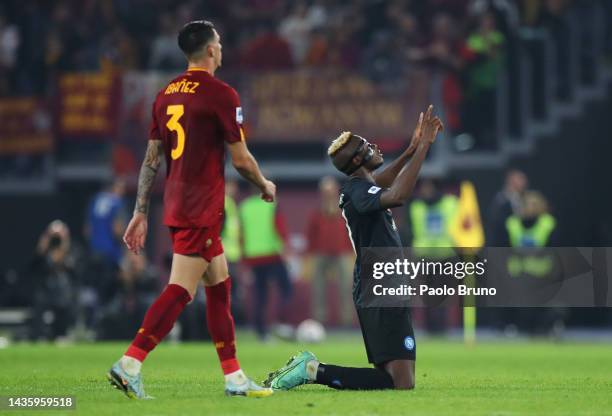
387,334
205,242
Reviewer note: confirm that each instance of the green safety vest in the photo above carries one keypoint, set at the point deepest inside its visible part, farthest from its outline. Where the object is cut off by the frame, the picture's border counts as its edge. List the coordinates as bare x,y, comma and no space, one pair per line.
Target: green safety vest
539,265
536,236
231,231
259,234
431,226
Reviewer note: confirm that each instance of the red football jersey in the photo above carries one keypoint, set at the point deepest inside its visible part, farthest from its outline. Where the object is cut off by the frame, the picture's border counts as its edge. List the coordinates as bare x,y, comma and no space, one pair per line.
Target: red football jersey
194,115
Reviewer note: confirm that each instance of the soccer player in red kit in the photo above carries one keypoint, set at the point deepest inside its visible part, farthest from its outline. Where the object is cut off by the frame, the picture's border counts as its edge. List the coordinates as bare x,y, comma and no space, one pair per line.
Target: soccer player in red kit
194,117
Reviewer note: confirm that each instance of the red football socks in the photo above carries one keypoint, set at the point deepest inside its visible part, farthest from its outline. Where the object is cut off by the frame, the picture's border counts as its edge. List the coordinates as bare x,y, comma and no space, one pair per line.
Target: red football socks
158,321
221,324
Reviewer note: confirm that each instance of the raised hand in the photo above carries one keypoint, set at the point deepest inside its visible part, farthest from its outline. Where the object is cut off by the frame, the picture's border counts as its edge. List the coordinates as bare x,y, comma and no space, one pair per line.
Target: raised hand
416,135
431,126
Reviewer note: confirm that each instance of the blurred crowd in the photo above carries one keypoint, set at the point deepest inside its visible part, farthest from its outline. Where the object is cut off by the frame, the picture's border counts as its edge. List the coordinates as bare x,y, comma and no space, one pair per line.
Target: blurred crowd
463,42
97,288
88,285
100,290
39,38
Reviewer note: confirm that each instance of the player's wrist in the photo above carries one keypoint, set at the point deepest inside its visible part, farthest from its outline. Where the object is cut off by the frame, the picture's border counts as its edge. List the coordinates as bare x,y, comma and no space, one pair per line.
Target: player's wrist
139,213
263,184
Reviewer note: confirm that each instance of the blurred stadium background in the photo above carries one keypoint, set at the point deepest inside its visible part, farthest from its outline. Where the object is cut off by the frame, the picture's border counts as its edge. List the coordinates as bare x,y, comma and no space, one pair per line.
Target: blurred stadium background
523,86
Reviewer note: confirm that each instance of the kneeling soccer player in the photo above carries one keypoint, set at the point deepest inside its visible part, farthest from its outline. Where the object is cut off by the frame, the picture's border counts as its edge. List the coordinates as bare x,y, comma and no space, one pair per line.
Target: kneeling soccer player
365,201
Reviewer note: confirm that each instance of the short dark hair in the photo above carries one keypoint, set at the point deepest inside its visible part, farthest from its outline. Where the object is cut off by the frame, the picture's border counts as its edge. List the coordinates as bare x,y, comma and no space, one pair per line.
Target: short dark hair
195,35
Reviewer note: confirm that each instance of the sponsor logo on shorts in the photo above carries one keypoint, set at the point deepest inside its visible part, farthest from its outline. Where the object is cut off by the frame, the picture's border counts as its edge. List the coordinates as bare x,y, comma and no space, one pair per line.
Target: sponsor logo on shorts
409,343
373,190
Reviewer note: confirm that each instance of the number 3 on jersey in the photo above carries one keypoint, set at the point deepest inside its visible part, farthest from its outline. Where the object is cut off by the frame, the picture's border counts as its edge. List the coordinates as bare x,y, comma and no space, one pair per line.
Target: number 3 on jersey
176,111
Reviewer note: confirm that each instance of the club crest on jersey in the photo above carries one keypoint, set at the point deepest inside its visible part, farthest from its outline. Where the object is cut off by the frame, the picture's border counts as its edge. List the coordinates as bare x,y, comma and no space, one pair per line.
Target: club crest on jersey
373,190
239,117
409,343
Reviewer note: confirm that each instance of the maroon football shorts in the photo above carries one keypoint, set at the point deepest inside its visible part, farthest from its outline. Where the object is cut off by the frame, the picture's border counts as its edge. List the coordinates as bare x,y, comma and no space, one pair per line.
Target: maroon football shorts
205,242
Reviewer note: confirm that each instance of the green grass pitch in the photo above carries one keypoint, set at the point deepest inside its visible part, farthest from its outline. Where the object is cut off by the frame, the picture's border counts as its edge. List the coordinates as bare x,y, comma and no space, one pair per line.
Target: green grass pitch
511,378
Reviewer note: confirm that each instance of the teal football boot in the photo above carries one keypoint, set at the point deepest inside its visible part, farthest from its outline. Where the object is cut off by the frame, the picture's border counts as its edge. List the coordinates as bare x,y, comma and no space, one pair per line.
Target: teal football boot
293,374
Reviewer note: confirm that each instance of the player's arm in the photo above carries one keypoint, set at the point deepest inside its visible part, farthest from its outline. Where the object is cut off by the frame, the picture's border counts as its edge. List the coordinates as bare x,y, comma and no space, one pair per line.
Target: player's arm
387,175
402,186
244,162
136,231
146,178
230,117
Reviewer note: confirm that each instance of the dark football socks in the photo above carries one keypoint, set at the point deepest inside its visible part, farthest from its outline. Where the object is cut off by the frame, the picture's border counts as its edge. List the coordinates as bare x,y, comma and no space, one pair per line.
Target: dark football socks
349,378
221,324
158,321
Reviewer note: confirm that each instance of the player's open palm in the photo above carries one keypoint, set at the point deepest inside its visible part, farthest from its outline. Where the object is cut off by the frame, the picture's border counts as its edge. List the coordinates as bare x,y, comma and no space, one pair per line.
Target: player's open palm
136,233
431,126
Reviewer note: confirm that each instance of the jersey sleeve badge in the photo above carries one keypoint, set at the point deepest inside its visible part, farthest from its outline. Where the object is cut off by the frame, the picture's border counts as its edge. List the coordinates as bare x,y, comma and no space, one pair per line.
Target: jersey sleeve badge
239,117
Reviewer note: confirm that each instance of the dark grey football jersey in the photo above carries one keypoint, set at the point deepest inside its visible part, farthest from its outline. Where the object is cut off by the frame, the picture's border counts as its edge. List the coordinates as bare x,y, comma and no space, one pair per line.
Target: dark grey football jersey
368,224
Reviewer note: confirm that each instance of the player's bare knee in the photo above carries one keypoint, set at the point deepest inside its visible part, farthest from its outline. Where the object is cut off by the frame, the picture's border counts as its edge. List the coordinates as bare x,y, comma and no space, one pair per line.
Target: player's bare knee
212,280
217,271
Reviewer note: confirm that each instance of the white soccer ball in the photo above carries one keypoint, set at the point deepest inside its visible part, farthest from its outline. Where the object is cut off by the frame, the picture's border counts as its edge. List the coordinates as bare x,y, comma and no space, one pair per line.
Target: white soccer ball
310,332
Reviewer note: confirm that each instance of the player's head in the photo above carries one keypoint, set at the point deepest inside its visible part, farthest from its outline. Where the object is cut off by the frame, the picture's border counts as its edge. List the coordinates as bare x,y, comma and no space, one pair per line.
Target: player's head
350,152
200,41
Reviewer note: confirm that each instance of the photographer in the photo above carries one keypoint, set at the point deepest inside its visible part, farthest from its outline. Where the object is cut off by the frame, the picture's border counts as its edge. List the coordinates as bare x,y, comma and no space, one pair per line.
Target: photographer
53,291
